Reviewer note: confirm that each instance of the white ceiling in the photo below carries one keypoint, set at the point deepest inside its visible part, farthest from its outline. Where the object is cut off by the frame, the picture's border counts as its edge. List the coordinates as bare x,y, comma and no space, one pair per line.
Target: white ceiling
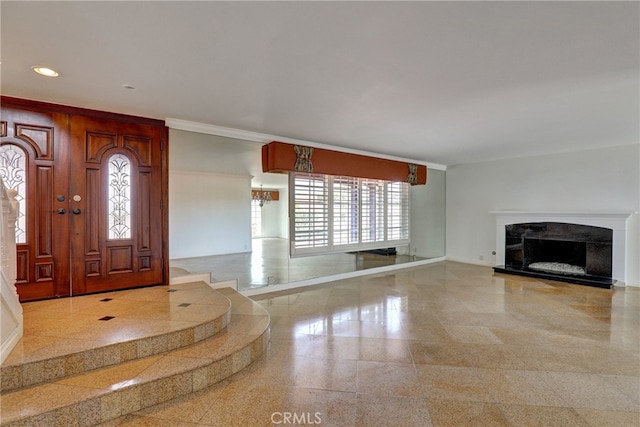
442,82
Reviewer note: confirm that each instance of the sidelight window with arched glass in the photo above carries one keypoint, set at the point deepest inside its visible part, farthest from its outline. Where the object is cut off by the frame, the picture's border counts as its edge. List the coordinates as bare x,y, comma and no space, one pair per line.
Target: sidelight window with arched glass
13,171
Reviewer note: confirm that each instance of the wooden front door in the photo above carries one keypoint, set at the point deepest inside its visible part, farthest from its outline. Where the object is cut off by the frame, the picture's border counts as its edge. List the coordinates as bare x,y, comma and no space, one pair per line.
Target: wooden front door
115,205
92,192
34,161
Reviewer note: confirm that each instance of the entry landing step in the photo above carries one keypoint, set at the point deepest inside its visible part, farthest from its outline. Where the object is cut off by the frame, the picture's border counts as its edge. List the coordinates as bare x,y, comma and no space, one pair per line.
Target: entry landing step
108,392
70,336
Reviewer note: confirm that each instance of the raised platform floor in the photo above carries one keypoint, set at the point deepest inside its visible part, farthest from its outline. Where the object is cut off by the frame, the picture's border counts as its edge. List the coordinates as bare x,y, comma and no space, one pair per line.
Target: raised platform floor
90,359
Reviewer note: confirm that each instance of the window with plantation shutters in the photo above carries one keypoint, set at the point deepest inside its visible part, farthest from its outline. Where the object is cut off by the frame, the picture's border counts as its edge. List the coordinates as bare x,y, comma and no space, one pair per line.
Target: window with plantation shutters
338,214
346,213
310,213
397,208
372,202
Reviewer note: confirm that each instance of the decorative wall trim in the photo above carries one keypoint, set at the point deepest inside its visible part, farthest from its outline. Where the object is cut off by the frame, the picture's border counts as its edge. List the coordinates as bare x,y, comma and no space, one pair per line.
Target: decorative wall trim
217,130
227,132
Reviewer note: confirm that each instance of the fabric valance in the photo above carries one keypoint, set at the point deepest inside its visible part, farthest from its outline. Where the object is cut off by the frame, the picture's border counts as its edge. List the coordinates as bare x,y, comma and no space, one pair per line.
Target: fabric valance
282,157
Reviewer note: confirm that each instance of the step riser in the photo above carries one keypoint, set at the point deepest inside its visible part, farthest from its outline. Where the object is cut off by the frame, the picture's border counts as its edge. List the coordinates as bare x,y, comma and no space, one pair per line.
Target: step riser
30,374
113,404
28,371
102,384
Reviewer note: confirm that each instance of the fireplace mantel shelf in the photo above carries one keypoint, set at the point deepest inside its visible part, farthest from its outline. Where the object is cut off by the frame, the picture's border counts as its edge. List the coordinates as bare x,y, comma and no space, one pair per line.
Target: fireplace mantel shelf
613,220
620,215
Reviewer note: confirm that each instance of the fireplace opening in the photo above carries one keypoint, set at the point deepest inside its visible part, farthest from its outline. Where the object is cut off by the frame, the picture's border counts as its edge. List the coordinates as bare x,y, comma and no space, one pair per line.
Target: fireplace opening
563,257
567,252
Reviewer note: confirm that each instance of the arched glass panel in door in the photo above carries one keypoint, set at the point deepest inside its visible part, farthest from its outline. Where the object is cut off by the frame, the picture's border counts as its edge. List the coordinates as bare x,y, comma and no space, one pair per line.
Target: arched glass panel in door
119,206
13,170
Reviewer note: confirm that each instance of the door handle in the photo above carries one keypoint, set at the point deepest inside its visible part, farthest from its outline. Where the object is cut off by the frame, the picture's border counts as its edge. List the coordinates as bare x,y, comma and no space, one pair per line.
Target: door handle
62,211
76,211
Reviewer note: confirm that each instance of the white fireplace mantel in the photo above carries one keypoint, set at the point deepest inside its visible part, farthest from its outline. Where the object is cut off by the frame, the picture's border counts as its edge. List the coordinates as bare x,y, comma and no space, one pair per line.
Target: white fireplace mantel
616,221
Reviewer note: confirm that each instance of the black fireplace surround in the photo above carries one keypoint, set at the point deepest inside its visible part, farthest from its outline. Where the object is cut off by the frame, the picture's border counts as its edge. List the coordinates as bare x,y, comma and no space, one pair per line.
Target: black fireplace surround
571,253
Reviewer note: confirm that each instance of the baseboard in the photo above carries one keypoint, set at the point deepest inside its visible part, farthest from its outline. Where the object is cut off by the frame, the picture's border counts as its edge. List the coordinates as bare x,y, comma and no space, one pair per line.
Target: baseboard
632,283
470,261
10,342
11,318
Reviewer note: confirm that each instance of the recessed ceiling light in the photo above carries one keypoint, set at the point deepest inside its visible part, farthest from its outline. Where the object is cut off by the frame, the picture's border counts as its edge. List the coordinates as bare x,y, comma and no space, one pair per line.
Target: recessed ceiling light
44,71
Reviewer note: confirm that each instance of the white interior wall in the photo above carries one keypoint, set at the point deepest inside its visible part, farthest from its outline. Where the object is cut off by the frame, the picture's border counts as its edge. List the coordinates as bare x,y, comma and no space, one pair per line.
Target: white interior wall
275,218
192,151
209,214
598,180
209,194
283,217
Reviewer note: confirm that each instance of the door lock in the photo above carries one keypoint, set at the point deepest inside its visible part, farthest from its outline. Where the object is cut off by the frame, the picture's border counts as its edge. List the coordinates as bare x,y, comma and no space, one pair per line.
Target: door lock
62,211
76,211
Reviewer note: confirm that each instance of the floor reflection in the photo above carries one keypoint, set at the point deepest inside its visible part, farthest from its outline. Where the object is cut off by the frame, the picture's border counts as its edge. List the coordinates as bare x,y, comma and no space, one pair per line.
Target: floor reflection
269,264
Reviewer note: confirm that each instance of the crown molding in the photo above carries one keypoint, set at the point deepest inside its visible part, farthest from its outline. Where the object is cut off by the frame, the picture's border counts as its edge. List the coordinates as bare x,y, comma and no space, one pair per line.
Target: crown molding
246,135
217,130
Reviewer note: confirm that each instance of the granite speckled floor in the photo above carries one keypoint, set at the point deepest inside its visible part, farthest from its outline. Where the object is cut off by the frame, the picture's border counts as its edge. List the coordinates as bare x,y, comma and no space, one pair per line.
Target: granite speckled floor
442,345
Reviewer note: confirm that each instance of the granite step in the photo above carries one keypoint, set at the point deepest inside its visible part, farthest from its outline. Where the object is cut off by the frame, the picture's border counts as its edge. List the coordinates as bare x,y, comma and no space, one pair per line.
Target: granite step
109,392
75,335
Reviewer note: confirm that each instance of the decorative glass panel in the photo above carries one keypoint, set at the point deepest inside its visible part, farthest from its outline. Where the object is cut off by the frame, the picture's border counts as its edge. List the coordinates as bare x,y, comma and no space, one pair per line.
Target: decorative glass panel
13,168
119,197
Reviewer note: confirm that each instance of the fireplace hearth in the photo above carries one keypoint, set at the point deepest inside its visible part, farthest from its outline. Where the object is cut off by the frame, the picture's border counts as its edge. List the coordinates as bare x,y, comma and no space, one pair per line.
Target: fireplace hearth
573,253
